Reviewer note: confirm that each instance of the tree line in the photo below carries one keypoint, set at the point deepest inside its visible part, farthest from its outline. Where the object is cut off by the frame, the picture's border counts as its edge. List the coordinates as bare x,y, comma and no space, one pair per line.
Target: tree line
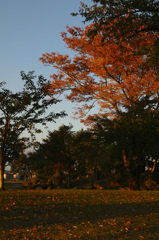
115,150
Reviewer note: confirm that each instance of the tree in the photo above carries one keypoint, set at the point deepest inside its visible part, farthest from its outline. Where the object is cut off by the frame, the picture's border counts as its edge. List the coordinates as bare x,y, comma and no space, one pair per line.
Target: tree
21,112
112,76
27,164
83,152
135,134
56,152
90,154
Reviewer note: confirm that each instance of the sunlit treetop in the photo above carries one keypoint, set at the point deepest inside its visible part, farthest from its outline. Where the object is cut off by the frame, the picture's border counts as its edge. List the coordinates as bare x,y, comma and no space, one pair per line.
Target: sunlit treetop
120,14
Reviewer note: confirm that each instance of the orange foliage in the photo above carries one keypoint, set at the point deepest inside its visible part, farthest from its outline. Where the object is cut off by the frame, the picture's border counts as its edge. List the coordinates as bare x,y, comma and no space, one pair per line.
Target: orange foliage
110,74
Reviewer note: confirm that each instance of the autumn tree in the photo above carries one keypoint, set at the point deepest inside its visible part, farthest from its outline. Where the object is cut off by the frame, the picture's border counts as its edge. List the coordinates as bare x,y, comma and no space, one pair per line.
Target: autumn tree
114,76
22,111
109,75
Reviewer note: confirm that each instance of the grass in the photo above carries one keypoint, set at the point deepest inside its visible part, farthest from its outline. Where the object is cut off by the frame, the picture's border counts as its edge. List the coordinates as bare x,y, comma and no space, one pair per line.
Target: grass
79,214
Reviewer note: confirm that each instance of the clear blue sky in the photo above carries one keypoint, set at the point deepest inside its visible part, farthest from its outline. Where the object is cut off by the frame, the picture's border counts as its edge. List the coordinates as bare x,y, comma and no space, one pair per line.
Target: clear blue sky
28,29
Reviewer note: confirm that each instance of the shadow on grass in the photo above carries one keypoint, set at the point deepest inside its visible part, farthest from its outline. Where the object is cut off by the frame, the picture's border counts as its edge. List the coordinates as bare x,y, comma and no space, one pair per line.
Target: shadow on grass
20,216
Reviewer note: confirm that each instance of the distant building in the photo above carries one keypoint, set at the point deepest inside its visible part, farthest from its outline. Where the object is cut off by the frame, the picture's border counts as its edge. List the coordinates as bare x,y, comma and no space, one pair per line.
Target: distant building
10,175
17,176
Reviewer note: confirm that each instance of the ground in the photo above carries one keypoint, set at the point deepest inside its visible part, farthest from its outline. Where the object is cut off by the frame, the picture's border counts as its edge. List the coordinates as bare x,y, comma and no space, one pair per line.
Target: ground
79,214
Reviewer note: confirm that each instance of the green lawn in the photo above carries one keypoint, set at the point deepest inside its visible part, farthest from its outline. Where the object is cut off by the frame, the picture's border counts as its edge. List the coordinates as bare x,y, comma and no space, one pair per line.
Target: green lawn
79,214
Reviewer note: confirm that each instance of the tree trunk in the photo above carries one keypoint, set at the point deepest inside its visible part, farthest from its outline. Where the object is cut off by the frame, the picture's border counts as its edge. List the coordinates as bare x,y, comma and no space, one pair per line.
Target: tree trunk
69,179
1,173
133,172
126,162
154,166
127,167
69,174
134,182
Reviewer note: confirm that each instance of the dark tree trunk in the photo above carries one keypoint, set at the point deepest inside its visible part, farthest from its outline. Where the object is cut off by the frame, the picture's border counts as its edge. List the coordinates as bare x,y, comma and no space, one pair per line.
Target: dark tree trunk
1,173
134,182
69,179
134,171
69,173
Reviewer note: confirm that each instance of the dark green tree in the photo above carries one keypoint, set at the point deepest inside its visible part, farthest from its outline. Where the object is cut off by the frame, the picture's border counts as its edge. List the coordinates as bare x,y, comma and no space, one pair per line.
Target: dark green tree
82,152
20,112
56,154
88,153
135,135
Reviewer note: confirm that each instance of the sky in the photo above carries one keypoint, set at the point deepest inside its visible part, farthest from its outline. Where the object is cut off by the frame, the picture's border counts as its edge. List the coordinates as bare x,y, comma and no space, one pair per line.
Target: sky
30,28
